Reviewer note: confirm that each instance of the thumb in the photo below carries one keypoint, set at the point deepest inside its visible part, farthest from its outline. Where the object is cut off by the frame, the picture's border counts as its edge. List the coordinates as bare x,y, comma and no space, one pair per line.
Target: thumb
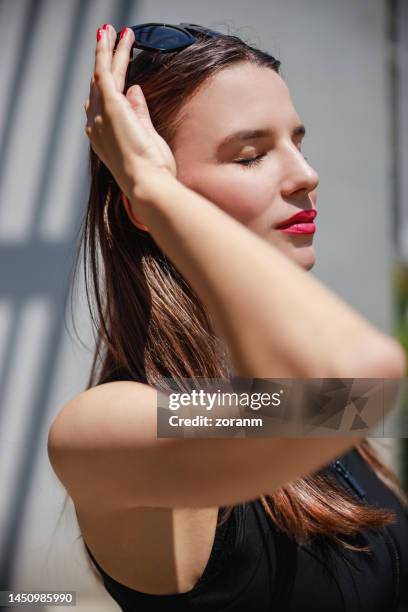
138,103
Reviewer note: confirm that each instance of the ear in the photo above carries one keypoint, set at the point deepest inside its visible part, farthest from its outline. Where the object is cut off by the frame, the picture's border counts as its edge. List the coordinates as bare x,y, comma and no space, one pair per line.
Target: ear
131,215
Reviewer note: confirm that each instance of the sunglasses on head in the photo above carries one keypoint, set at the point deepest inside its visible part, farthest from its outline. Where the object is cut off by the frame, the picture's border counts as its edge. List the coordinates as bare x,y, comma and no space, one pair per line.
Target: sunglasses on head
166,37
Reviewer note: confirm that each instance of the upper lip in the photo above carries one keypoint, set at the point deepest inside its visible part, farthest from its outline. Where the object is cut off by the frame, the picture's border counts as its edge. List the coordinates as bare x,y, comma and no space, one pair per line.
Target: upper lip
305,216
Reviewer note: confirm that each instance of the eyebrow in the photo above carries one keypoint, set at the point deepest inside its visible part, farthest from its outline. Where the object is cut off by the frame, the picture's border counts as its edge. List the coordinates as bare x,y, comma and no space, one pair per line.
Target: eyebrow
243,135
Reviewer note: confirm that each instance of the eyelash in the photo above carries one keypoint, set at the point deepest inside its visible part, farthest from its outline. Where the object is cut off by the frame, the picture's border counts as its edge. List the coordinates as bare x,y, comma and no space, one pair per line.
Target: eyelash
248,163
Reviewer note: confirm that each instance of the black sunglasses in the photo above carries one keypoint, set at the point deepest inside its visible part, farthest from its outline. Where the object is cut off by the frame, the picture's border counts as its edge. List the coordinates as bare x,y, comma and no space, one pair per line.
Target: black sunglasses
166,37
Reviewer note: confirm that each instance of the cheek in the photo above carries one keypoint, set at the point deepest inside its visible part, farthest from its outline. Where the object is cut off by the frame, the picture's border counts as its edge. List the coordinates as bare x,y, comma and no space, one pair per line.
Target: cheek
236,192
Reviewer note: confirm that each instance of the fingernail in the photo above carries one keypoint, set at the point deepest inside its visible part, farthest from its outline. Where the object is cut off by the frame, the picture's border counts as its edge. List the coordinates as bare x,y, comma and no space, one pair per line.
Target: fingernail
105,26
99,34
123,32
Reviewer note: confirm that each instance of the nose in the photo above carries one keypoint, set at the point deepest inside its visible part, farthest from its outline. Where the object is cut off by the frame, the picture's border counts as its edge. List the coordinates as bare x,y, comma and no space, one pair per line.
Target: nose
298,175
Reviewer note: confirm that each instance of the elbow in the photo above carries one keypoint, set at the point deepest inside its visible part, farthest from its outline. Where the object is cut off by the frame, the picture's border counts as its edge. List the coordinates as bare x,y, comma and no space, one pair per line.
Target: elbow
397,361
380,356
383,358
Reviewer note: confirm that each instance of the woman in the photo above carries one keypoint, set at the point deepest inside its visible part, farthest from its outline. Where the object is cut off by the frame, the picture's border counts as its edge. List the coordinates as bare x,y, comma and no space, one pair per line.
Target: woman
193,276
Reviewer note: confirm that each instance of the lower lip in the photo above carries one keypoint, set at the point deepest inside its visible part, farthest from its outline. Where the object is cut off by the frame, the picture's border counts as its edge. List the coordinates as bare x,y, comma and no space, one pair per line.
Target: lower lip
299,228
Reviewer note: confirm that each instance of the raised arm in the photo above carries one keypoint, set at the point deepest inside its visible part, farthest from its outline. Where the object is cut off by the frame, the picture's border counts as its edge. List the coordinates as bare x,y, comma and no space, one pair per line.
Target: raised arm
277,320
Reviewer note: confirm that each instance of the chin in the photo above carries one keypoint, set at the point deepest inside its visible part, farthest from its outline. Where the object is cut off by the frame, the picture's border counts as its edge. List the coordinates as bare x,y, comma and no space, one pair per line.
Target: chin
300,250
303,256
309,266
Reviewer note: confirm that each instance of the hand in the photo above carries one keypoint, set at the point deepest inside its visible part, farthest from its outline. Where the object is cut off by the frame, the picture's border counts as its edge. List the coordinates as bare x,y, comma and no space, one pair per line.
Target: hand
119,126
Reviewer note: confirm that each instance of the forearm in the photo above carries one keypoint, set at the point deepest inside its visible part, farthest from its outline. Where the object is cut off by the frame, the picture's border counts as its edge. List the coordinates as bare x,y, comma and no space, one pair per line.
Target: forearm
276,319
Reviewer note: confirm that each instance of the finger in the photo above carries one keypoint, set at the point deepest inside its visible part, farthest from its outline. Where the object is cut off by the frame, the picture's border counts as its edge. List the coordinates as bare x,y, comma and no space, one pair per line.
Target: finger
91,86
111,37
93,96
120,60
103,56
105,87
138,102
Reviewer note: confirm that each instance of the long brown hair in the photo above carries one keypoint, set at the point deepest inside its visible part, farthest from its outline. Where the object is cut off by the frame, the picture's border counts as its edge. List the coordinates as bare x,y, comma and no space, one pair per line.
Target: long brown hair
149,322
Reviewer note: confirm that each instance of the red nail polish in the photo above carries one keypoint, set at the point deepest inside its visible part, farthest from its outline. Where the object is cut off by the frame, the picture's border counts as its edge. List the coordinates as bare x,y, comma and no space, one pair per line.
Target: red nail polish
99,34
105,26
123,32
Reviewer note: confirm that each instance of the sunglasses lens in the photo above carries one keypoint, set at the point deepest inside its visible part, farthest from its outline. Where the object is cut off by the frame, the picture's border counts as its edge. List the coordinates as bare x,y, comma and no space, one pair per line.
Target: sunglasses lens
161,37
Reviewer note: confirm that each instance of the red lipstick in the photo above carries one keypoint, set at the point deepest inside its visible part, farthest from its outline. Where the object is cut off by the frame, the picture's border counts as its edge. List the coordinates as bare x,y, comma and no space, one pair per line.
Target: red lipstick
301,223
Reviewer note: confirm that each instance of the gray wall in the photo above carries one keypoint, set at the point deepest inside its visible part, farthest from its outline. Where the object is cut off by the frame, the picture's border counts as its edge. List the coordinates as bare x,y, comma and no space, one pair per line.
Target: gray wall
335,59
401,127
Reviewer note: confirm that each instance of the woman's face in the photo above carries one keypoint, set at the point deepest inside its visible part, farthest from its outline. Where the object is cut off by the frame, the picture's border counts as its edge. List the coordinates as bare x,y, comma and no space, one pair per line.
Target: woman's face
247,97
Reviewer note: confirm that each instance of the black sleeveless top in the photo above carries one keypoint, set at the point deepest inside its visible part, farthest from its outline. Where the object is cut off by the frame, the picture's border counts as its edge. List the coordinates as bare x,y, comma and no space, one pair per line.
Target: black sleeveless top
254,567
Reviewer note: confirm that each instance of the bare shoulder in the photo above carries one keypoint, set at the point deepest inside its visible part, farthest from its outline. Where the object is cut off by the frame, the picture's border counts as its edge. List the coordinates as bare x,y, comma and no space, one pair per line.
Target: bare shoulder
99,440
100,407
97,446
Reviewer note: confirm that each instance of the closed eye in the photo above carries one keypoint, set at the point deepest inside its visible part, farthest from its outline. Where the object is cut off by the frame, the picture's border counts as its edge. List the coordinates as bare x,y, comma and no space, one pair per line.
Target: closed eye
247,163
